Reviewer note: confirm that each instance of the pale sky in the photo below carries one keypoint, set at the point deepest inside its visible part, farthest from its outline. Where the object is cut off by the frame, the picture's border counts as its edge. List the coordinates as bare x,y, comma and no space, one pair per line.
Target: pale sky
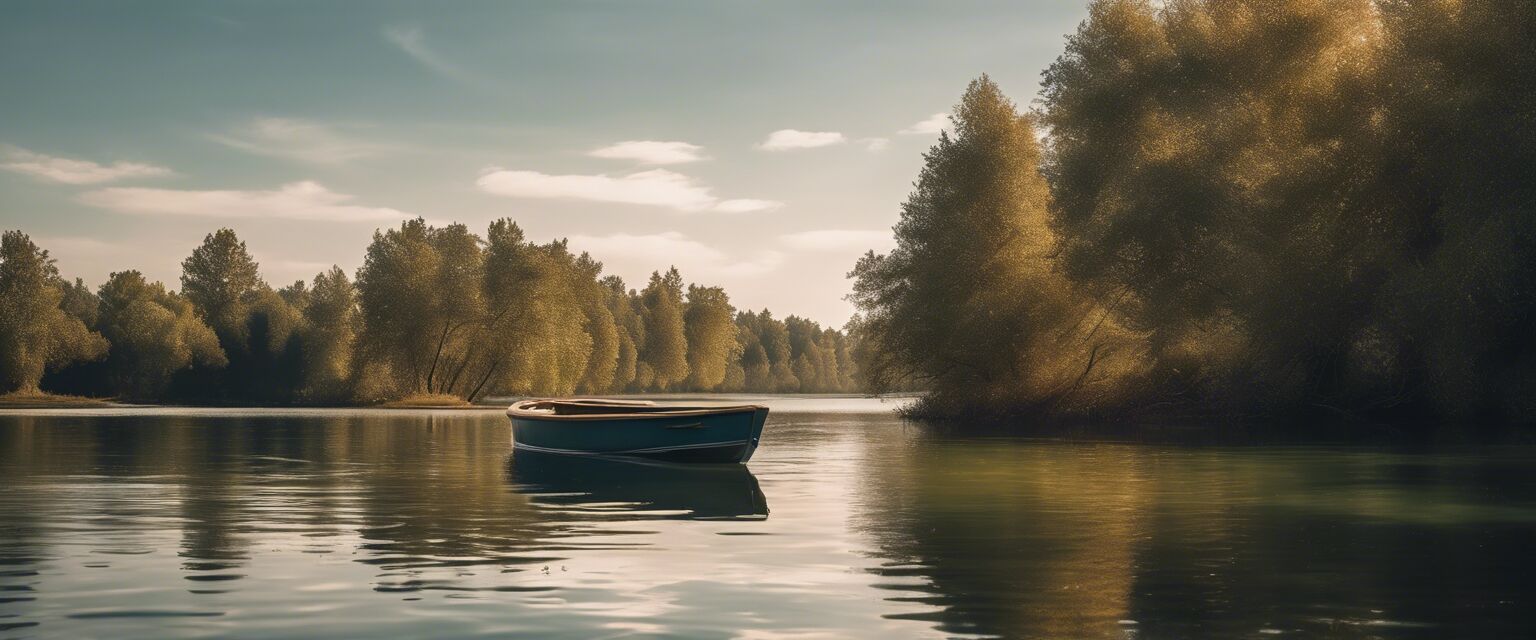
760,146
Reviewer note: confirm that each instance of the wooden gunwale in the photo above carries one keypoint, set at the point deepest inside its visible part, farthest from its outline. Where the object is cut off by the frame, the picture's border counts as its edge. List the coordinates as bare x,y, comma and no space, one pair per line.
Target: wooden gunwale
524,410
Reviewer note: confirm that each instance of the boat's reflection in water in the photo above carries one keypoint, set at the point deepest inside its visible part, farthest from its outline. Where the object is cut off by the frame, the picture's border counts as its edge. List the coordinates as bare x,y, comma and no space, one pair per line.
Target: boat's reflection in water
638,489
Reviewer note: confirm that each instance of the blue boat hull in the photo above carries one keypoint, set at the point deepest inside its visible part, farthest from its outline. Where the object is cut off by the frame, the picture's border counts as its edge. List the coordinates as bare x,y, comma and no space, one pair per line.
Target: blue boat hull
714,437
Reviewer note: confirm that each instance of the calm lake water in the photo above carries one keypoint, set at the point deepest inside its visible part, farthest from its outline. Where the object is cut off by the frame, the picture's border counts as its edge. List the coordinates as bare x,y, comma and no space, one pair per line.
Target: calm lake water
848,523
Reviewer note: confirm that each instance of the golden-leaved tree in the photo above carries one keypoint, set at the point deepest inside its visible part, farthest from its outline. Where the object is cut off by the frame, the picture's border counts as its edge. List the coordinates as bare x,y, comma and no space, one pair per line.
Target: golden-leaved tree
970,301
36,334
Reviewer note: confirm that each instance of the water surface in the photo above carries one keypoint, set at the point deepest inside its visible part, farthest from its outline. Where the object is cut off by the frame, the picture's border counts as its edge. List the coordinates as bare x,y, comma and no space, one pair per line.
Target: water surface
848,523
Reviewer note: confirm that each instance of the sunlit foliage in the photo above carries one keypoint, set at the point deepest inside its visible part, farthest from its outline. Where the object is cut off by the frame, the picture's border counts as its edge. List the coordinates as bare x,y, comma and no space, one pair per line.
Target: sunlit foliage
330,333
434,311
154,334
221,280
395,290
1260,207
603,364
793,355
665,352
1214,168
971,303
536,327
36,333
711,329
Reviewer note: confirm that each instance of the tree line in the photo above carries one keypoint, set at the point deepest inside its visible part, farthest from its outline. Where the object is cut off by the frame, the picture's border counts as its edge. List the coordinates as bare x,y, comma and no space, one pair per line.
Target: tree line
1251,208
432,311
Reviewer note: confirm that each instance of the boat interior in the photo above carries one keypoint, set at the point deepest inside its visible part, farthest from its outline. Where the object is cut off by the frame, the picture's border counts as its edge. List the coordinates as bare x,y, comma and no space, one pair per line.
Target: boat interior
588,407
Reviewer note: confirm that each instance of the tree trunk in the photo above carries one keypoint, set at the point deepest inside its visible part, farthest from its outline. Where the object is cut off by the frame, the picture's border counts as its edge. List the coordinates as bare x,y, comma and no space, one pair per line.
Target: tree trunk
431,371
484,379
454,380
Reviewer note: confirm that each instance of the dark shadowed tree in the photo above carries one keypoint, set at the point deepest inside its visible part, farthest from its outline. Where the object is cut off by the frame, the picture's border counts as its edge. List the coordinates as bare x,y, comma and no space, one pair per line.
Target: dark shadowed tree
1224,171
1457,324
271,369
257,326
296,295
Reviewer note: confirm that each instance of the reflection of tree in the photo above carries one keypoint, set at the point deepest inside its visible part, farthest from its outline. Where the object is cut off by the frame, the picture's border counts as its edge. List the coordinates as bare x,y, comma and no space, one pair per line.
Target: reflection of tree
1344,544
198,456
213,496
422,492
1016,541
435,495
1035,539
21,525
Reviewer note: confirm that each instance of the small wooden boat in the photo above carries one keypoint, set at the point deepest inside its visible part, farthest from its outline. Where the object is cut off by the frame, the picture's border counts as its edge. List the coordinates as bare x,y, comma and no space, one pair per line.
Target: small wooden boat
638,428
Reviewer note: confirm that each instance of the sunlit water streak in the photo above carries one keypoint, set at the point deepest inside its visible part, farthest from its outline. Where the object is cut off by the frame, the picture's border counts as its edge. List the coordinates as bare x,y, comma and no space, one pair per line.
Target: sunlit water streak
848,523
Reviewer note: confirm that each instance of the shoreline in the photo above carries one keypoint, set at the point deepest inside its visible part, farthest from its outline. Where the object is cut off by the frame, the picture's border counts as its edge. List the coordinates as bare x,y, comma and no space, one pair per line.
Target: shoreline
1199,431
20,401
44,401
16,400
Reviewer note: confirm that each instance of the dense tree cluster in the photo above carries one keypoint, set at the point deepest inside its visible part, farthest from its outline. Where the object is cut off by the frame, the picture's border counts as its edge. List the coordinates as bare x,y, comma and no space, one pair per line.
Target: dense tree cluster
1242,207
433,310
37,330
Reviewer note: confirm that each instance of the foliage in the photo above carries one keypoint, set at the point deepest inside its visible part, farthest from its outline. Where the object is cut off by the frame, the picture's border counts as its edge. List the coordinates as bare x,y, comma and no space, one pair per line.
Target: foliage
220,279
711,327
36,332
970,302
154,334
1254,208
666,344
329,337
395,286
535,335
435,312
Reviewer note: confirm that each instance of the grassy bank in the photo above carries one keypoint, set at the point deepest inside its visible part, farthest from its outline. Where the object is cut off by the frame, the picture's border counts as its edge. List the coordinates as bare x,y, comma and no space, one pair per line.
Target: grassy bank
19,400
45,400
430,401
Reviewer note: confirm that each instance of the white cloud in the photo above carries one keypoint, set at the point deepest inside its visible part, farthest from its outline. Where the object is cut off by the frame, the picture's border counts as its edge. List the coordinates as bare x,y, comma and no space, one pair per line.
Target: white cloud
876,145
70,171
299,140
414,44
746,205
636,255
786,139
934,124
663,246
655,187
305,200
839,240
651,152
